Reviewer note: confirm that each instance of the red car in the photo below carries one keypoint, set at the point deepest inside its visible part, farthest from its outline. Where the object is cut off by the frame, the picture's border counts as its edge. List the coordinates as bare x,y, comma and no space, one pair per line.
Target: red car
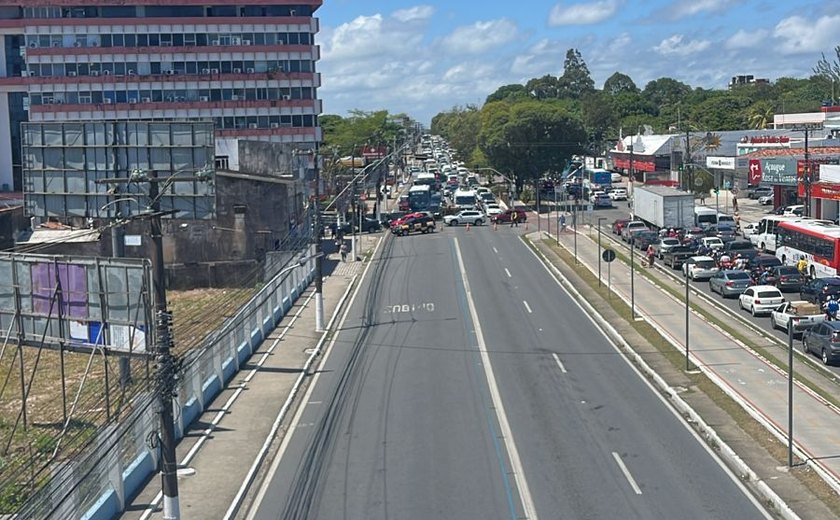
504,217
618,224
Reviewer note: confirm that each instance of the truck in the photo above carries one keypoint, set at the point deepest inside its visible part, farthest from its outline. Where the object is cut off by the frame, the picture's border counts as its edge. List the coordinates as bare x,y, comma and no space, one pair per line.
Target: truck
663,207
801,313
675,256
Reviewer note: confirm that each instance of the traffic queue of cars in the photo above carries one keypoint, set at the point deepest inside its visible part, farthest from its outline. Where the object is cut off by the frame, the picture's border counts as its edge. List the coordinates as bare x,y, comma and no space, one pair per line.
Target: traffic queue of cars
735,268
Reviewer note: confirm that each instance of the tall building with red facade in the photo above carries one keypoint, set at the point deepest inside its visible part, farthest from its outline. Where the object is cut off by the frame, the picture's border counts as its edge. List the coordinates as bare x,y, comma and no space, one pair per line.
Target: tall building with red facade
248,65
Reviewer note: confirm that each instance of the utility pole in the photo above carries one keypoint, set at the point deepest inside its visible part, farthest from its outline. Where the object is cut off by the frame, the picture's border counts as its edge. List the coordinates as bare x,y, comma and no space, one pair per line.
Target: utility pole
807,177
316,237
118,251
165,362
355,218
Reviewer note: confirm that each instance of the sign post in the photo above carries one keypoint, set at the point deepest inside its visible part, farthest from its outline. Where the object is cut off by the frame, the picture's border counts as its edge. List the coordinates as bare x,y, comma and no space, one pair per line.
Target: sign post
608,256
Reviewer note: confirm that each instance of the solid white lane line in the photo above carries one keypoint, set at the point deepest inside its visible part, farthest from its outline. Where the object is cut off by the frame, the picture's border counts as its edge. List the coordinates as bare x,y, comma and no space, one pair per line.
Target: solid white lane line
559,363
626,472
507,434
528,307
507,272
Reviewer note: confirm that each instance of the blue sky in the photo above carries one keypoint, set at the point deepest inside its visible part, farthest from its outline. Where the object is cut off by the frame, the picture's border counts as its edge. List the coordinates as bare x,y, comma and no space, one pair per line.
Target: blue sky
425,57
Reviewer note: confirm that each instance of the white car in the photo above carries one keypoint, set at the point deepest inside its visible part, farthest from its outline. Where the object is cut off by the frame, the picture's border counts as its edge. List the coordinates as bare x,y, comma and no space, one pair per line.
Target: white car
766,200
467,216
596,195
712,242
492,209
699,267
615,177
618,194
749,229
760,299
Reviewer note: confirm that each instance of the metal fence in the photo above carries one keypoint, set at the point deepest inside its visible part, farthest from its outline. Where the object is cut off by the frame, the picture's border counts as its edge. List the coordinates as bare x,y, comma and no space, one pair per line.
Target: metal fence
121,457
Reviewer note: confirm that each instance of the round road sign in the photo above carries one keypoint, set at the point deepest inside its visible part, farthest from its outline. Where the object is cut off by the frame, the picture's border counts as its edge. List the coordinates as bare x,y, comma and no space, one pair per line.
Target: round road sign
608,255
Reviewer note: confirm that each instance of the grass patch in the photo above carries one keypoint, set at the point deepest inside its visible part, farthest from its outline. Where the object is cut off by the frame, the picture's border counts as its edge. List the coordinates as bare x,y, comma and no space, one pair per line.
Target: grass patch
663,349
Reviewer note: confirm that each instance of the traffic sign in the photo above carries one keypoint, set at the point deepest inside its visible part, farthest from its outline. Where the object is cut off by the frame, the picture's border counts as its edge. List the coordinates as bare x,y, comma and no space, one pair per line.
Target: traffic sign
608,255
698,182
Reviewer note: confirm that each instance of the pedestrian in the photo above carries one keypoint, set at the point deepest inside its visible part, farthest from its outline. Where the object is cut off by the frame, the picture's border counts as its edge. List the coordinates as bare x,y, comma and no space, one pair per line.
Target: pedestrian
831,307
344,250
702,198
562,223
734,203
651,254
514,219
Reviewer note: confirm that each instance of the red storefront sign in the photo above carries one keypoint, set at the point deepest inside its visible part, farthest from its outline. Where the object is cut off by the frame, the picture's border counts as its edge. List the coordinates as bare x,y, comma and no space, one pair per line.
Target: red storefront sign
822,190
374,152
754,172
639,165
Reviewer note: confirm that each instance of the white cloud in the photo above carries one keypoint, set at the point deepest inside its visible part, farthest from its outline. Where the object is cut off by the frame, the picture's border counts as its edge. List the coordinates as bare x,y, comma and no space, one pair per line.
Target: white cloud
544,57
413,14
683,8
801,35
582,14
747,39
481,36
675,46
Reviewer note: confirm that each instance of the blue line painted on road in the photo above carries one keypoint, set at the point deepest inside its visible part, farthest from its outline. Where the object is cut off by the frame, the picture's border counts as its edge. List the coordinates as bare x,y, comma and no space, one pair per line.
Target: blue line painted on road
485,398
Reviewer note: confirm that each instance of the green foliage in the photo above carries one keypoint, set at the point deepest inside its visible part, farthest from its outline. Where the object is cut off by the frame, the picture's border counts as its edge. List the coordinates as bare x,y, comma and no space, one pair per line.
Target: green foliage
576,79
348,134
618,83
829,70
508,93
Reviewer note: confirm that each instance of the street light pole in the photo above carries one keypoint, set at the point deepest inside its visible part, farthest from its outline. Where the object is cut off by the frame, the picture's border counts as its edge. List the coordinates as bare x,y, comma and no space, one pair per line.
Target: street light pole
687,315
599,249
790,393
632,278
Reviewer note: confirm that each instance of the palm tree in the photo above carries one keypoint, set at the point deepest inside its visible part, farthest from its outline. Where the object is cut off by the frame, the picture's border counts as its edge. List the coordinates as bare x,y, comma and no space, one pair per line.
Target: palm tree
760,116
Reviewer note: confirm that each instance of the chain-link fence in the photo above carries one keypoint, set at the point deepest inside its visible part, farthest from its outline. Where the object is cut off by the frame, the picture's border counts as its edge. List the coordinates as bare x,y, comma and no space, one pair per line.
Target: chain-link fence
115,463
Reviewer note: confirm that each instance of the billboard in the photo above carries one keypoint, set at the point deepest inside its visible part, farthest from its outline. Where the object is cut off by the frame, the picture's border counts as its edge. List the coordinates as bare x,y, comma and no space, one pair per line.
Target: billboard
780,171
65,162
76,300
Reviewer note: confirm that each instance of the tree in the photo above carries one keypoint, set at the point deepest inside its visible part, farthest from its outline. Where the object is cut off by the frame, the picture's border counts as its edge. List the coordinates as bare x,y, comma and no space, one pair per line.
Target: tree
545,87
576,79
830,70
530,138
508,92
759,115
461,127
618,83
666,91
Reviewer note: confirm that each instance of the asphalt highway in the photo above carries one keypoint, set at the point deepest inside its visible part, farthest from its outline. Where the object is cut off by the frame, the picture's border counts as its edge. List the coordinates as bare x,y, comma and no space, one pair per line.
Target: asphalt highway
465,383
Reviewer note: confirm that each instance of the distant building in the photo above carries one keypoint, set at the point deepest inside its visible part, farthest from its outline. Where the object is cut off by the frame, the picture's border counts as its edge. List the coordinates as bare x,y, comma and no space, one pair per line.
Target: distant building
249,66
747,79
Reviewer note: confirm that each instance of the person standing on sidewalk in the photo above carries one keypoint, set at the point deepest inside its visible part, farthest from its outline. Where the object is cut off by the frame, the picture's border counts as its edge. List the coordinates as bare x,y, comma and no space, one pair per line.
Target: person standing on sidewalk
344,249
514,219
651,254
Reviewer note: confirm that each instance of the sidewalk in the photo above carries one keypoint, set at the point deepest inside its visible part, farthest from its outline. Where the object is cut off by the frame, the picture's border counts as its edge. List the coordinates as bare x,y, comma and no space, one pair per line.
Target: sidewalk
209,483
758,386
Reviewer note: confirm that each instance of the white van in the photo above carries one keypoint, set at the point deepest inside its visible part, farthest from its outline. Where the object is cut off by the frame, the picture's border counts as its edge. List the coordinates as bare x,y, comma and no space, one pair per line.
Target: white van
729,220
705,217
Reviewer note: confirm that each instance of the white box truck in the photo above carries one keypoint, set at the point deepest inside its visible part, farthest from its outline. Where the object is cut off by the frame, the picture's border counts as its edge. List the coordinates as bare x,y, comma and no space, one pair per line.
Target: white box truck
663,206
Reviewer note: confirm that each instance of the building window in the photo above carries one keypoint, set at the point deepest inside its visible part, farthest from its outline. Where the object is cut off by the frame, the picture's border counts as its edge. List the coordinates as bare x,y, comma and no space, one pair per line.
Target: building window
222,162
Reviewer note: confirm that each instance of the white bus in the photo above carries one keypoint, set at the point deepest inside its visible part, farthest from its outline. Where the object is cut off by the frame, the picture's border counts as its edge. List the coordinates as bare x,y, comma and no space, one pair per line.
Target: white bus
764,237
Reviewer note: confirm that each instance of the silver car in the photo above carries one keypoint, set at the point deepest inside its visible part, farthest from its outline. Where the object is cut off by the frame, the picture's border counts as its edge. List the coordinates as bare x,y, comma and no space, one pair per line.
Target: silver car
730,282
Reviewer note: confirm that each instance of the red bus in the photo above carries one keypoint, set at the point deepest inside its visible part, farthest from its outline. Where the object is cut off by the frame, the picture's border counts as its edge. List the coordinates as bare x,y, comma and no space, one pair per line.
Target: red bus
817,241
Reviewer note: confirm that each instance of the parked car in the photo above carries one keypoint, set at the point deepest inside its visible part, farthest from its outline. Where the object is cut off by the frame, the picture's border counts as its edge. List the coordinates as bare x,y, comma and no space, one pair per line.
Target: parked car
795,209
504,217
492,209
631,229
618,224
675,256
748,230
699,267
467,216
730,282
766,200
818,289
645,238
823,339
725,233
413,223
618,194
800,314
740,247
760,299
665,244
788,278
370,225
758,192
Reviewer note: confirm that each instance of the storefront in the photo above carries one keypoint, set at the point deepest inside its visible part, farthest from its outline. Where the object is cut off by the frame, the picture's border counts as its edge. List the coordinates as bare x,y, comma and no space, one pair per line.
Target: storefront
780,174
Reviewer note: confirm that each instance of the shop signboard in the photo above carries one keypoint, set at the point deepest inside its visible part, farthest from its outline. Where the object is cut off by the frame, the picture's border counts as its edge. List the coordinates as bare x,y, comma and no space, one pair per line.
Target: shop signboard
779,171
720,163
754,171
822,190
